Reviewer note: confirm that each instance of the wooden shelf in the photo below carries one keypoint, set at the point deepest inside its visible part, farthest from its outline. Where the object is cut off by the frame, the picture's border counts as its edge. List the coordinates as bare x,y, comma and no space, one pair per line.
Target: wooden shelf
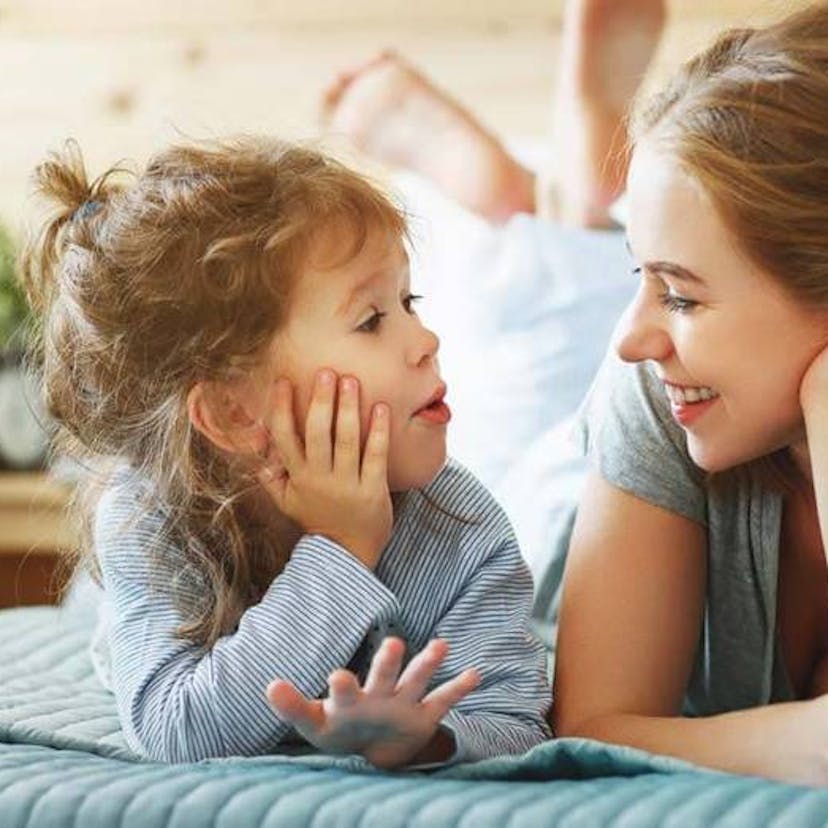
32,514
33,531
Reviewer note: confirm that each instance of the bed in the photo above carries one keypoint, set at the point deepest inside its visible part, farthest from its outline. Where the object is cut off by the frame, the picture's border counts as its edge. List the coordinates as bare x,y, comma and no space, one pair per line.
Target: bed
524,313
63,762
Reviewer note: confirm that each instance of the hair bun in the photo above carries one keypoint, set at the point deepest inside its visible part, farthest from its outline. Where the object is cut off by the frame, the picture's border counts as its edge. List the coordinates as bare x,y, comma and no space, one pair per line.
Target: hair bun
87,210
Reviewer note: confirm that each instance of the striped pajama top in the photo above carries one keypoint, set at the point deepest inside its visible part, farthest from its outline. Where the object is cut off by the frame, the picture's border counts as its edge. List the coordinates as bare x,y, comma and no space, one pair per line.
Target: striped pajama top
439,576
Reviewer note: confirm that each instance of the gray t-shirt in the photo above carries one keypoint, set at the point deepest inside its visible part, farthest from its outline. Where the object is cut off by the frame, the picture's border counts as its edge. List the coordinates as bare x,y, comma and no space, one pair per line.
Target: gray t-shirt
628,433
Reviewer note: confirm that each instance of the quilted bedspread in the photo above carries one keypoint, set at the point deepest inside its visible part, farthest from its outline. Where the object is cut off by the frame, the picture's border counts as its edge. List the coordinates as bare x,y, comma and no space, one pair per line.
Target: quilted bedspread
63,761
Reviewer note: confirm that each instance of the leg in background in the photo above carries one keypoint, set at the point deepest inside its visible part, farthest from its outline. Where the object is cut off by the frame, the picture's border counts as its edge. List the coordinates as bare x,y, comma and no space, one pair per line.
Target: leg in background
394,114
606,50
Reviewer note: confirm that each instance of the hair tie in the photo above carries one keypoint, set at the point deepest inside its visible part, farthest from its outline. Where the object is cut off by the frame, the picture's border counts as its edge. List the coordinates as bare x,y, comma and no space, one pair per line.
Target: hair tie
87,210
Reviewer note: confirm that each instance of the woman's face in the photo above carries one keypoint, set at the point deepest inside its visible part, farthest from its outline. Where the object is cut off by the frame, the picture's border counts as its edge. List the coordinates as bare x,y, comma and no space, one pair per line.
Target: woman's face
729,345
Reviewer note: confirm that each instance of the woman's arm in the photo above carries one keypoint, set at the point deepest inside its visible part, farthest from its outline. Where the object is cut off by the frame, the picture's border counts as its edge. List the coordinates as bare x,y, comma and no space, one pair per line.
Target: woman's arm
629,628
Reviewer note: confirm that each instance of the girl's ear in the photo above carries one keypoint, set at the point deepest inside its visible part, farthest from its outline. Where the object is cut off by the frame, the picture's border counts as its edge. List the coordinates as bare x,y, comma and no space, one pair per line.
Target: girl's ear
216,412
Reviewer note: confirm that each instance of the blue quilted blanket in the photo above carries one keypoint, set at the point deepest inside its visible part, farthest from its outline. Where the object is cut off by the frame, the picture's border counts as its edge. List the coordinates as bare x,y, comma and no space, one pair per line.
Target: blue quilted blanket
63,761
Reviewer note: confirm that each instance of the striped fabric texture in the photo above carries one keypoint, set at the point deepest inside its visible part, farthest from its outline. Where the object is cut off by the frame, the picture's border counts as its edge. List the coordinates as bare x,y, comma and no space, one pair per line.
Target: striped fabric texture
452,570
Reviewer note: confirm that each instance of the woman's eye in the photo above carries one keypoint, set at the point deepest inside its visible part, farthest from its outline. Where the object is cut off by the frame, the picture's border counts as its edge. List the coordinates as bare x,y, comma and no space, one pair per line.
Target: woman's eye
676,304
409,301
372,323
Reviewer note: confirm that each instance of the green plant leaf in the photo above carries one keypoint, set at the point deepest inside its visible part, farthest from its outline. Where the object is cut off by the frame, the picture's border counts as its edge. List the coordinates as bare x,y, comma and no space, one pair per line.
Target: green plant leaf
15,315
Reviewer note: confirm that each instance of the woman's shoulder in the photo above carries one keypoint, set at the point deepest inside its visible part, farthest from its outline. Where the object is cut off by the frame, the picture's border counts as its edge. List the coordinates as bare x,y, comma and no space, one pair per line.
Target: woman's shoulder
627,406
627,429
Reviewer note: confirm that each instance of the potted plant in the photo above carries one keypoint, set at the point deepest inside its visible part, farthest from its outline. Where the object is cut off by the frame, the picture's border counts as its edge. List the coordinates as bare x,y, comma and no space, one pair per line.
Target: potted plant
23,436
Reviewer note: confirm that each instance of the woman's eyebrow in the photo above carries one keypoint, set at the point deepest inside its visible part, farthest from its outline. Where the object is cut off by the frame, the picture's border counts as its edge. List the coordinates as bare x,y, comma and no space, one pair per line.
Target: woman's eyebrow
676,271
670,268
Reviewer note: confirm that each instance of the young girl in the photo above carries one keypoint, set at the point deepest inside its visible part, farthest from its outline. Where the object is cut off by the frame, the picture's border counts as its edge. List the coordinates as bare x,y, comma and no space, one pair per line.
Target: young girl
234,337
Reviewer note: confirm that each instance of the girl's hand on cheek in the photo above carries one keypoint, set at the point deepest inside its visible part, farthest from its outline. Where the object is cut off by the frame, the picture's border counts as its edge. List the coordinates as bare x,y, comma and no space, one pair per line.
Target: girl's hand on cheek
390,720
328,486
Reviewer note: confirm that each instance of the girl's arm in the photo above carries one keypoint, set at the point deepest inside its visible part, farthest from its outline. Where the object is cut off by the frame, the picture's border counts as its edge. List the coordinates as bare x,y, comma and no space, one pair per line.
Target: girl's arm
178,702
488,628
629,628
480,690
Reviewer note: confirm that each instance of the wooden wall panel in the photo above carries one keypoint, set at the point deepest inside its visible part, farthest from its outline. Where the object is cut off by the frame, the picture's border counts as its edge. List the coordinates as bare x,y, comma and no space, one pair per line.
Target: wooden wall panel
126,76
83,16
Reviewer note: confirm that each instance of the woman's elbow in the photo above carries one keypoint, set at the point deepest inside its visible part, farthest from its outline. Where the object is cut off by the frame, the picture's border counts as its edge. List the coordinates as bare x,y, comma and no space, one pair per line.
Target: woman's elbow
573,724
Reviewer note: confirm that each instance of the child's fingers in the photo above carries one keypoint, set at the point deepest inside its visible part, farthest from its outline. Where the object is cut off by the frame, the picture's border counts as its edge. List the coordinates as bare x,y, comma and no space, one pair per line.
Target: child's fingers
305,715
346,452
375,458
343,688
443,698
282,427
420,670
318,450
385,667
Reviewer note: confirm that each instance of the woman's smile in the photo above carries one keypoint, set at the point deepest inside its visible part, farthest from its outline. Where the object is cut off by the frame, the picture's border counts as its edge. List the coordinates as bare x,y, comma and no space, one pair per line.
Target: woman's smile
688,402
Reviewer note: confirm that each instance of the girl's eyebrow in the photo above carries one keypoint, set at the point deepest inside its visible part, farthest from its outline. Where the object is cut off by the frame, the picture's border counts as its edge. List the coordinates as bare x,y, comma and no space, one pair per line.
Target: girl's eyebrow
361,287
365,286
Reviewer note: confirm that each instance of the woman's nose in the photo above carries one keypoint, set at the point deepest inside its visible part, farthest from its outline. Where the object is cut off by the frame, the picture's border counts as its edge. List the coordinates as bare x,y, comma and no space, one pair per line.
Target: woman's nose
641,333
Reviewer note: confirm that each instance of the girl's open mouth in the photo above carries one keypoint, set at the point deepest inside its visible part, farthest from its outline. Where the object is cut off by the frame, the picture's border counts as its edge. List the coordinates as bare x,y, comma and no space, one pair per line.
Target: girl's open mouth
437,412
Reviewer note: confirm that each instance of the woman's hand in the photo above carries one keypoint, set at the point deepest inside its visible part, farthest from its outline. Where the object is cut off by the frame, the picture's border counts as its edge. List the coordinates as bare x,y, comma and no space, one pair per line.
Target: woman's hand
389,720
326,484
813,389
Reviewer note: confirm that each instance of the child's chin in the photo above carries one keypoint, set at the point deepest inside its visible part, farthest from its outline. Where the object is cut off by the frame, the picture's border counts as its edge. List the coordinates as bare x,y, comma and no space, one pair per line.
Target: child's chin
415,478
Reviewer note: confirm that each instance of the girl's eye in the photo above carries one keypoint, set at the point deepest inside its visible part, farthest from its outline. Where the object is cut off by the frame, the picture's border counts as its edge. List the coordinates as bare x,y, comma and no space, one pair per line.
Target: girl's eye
371,325
676,304
409,301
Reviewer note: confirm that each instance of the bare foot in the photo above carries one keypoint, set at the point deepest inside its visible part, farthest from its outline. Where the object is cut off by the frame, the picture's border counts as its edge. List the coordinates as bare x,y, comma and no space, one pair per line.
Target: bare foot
606,49
394,114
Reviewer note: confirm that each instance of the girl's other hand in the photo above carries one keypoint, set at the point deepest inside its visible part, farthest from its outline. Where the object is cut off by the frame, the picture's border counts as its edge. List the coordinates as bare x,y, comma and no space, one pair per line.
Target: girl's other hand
325,483
389,720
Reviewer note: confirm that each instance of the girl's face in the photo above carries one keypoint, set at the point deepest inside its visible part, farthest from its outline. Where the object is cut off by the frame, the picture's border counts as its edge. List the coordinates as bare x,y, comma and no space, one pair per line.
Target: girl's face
729,345
359,319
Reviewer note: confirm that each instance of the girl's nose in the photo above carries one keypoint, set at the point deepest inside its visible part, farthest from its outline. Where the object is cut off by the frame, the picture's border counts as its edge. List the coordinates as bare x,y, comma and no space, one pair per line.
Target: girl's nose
425,344
641,334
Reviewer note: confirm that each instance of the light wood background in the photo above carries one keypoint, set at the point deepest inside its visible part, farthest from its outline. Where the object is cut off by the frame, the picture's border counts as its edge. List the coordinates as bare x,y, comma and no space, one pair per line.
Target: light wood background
126,76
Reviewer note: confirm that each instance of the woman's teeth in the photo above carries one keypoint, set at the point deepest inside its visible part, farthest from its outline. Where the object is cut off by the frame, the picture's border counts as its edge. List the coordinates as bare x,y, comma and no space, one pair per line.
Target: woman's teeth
683,396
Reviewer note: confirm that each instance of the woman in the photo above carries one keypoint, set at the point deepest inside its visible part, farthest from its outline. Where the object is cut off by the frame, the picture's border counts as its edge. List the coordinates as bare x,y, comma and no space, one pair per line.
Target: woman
696,576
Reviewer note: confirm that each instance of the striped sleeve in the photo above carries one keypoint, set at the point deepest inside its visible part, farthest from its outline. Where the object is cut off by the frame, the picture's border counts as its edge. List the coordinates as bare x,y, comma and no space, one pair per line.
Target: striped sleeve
178,702
487,628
